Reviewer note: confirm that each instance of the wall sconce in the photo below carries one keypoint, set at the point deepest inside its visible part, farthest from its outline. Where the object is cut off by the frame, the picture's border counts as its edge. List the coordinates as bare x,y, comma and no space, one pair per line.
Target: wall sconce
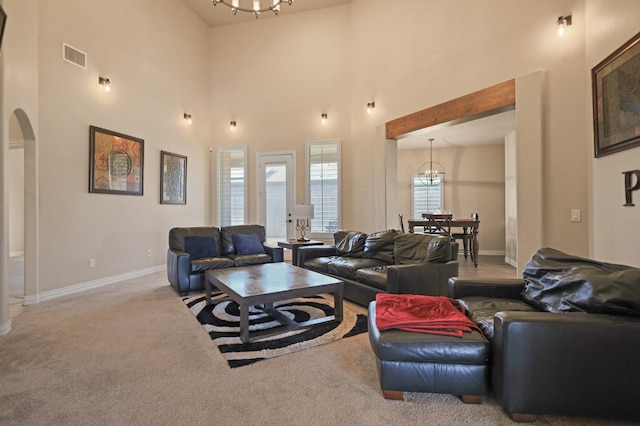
324,117
103,81
563,22
188,118
370,107
232,125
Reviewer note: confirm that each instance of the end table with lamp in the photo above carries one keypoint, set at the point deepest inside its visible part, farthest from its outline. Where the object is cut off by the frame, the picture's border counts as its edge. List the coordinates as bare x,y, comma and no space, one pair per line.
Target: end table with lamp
302,213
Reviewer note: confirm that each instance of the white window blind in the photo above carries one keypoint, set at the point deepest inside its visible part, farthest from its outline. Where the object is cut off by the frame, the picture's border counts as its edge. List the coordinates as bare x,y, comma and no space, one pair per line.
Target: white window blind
232,172
323,185
425,198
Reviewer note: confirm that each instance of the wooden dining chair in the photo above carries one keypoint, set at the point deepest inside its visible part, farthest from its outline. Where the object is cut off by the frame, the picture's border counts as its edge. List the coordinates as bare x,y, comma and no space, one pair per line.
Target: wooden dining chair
401,217
466,236
438,223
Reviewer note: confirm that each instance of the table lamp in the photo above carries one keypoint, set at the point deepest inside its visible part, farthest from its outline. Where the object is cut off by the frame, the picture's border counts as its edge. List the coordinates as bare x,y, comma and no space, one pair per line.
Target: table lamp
302,213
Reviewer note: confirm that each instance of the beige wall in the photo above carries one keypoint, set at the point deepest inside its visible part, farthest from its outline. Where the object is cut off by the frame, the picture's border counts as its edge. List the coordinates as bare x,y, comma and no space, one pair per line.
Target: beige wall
474,183
614,227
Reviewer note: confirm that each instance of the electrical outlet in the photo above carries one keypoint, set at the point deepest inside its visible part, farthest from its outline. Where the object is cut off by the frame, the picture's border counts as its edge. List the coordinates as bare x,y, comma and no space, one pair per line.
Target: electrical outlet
148,253
92,263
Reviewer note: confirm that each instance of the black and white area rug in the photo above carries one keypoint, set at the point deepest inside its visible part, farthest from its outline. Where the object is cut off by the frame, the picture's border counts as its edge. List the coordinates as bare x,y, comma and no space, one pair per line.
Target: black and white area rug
221,320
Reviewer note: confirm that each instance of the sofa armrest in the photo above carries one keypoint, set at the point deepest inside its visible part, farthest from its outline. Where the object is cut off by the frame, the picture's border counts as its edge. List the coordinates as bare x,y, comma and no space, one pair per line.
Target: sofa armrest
503,288
429,279
566,363
276,253
306,253
178,269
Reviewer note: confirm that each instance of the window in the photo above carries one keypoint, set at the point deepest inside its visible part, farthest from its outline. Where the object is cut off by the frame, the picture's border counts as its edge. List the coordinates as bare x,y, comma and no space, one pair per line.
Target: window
323,185
425,198
232,186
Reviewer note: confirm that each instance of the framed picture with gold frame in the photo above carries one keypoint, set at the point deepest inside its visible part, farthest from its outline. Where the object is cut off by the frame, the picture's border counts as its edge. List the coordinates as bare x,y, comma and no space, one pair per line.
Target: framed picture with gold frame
116,162
173,178
616,99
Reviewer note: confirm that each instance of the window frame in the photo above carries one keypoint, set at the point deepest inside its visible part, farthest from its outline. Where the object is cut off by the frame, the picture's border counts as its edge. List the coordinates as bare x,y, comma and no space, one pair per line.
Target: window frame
414,212
219,152
308,145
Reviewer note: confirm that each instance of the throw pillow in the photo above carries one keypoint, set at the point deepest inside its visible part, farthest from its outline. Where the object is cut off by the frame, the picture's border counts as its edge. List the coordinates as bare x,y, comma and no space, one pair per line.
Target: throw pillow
201,247
247,244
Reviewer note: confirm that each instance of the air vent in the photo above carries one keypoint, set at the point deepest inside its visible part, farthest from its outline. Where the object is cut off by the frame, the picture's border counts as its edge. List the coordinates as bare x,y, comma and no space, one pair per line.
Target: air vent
74,56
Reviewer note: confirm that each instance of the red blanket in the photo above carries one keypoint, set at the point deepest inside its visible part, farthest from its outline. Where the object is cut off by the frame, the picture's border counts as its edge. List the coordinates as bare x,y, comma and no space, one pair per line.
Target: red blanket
425,314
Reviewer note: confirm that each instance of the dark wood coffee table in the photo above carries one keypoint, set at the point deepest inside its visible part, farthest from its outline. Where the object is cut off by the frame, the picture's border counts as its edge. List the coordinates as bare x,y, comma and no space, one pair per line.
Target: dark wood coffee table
262,285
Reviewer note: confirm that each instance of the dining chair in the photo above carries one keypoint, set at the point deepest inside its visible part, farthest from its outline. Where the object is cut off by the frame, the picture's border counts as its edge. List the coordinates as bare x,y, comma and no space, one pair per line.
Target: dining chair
466,236
438,223
401,216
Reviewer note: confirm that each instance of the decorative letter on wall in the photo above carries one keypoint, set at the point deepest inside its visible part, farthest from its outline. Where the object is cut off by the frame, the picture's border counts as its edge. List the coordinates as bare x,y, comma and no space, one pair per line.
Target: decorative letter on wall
629,187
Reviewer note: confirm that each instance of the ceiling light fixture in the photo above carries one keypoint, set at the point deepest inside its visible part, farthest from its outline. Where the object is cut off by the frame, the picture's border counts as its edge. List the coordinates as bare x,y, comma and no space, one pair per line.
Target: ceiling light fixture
370,107
563,22
431,173
103,81
232,125
324,117
257,8
187,117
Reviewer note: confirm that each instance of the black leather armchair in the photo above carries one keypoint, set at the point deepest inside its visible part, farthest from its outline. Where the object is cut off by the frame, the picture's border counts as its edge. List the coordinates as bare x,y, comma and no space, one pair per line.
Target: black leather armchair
567,364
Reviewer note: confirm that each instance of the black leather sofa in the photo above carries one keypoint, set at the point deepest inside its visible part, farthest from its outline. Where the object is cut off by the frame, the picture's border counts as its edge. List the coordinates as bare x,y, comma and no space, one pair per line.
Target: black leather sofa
386,261
565,339
197,249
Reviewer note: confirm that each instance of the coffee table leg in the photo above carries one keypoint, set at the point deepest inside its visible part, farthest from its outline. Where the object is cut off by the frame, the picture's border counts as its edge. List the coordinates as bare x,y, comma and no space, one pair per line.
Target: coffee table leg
337,304
244,323
207,290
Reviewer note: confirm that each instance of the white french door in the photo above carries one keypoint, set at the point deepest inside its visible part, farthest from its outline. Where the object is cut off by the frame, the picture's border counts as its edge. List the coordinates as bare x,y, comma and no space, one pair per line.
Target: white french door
275,194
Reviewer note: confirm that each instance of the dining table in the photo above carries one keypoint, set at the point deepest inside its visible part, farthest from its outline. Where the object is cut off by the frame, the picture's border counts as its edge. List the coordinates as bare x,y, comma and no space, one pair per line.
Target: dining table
469,227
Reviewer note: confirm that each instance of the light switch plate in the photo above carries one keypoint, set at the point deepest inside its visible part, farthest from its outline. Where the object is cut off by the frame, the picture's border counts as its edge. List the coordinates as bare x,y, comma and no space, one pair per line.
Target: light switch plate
575,215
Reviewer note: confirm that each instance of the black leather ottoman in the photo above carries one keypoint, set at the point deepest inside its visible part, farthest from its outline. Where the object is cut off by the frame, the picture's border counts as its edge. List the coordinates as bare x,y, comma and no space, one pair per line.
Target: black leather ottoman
421,362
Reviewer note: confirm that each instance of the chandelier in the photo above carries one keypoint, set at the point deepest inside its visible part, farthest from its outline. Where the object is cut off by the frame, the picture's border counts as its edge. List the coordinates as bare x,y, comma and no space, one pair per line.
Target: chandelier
257,8
431,173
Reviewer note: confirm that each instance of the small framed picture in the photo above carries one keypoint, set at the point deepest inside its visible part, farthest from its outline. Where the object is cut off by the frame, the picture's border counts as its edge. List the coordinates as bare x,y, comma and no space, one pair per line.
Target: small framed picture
116,162
173,178
616,99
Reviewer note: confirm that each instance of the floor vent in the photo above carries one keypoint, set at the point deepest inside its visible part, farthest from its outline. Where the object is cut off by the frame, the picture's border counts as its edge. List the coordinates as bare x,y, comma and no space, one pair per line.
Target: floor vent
74,56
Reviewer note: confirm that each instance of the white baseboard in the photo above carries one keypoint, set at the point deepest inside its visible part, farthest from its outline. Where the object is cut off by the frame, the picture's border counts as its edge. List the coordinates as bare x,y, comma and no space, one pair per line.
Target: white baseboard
5,328
76,288
491,252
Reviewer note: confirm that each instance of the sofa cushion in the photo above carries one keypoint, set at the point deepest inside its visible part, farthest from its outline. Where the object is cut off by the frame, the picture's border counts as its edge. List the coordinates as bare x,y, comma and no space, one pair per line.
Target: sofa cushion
375,276
348,266
481,310
349,243
250,259
201,247
227,232
177,235
201,265
559,282
319,264
247,244
421,248
379,245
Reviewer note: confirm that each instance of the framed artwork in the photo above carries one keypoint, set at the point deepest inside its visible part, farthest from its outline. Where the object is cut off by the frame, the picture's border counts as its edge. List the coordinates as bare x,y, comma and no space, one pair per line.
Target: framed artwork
116,162
173,178
616,99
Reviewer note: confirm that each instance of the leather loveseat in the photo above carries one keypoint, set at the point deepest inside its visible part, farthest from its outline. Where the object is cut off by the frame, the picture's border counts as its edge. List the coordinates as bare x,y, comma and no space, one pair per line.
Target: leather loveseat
565,339
385,261
195,250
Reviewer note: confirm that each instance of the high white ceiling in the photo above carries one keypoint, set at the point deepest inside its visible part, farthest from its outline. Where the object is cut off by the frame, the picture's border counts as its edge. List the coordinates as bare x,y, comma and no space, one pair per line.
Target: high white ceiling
220,14
489,130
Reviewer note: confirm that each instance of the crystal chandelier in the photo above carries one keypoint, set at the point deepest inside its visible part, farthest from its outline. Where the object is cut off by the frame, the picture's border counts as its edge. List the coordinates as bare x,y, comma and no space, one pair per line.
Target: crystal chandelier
257,8
431,173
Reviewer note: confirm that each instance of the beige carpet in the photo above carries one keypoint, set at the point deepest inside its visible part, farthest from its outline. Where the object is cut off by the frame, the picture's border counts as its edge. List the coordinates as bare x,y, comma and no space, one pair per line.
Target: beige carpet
132,353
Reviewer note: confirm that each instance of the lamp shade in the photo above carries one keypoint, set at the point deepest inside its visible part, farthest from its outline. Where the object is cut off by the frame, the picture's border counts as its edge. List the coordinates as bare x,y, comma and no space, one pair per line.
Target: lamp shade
302,211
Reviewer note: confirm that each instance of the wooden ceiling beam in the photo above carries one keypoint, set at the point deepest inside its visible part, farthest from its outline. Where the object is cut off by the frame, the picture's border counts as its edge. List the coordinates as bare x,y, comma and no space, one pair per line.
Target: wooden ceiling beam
500,97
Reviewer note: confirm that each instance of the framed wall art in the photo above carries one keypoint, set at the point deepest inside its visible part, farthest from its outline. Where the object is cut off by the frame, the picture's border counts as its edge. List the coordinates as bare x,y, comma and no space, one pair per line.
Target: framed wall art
173,178
616,99
116,162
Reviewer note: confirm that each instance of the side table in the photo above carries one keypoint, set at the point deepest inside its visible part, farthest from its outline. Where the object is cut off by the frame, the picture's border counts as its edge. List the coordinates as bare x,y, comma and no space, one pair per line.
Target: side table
293,246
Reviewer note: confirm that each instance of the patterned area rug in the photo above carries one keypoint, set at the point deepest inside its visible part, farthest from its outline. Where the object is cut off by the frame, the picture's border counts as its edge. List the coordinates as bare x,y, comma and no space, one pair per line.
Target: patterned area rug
221,320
